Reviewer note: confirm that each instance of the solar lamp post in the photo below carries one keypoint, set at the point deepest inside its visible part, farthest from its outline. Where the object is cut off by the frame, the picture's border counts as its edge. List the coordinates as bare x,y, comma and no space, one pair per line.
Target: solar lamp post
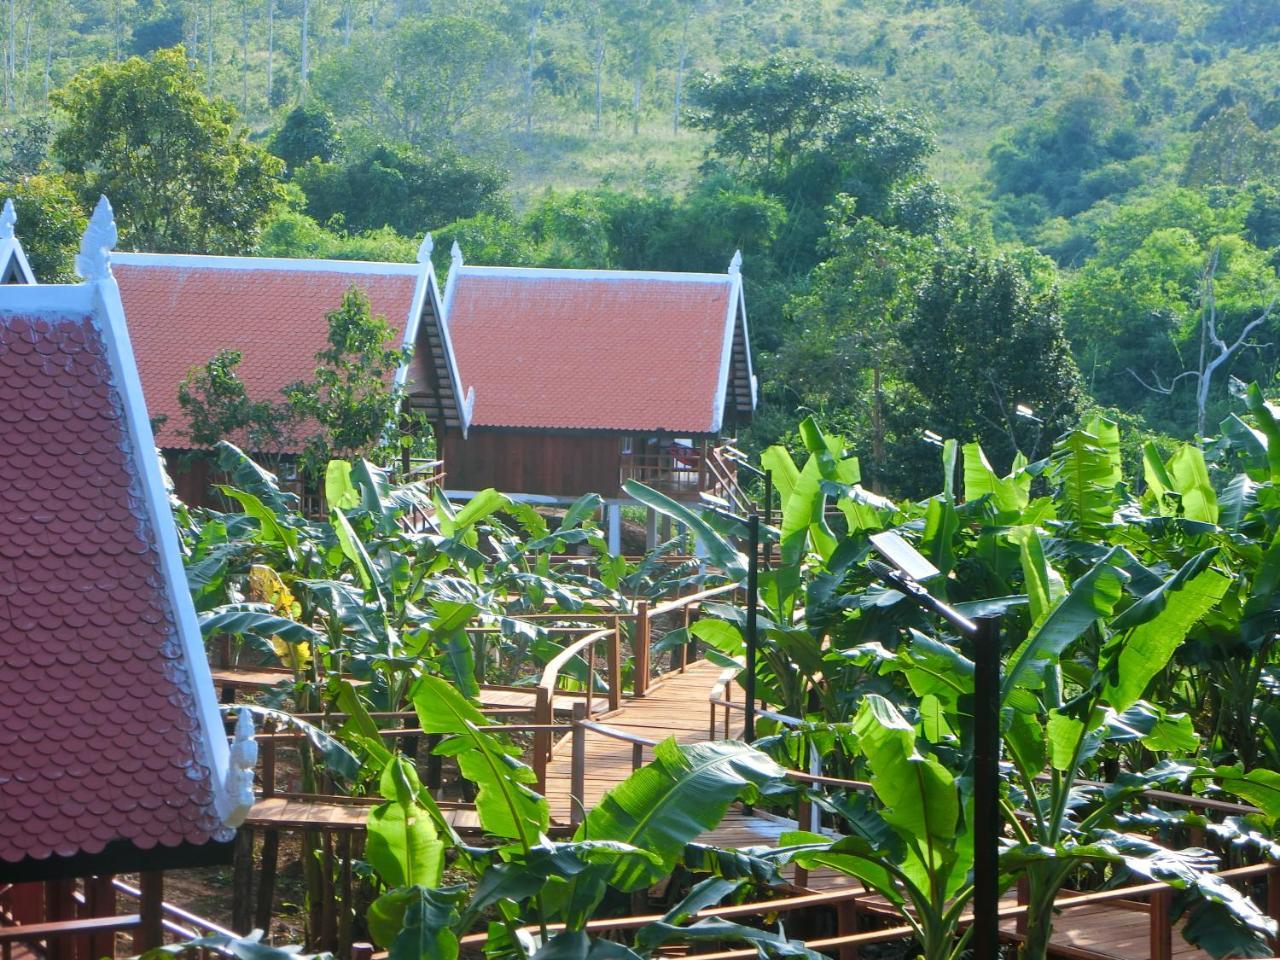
905,569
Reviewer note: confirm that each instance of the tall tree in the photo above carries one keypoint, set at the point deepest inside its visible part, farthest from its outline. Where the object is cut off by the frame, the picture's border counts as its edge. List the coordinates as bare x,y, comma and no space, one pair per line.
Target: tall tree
181,171
351,399
430,79
987,354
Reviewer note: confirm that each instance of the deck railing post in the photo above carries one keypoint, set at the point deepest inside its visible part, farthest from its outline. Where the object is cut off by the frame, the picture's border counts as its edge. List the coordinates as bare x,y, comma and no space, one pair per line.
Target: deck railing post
847,926
542,719
100,901
578,766
640,651
614,654
1162,925
591,673
1024,898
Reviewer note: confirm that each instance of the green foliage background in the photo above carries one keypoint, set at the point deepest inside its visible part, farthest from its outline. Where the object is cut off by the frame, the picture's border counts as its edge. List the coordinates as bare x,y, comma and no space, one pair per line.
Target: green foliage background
1095,156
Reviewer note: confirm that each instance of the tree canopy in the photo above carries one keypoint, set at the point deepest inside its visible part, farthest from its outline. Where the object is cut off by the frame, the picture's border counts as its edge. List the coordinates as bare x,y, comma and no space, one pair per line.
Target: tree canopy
177,165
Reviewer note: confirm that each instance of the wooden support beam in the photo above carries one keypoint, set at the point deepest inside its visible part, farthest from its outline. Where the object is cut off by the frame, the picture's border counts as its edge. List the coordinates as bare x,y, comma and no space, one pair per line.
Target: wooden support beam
150,912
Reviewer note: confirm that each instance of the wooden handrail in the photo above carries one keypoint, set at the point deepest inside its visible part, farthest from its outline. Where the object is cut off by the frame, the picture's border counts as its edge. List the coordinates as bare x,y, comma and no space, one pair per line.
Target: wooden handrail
1167,796
1067,901
783,905
69,928
551,672
169,909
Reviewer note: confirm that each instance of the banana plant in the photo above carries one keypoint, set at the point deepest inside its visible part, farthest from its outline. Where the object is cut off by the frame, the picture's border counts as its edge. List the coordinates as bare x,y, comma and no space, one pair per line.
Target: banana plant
915,847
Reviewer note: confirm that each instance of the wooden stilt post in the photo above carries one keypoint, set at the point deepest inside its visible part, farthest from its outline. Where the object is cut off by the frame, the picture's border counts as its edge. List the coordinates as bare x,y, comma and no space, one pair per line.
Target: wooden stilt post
100,901
1273,902
151,910
242,882
346,905
267,880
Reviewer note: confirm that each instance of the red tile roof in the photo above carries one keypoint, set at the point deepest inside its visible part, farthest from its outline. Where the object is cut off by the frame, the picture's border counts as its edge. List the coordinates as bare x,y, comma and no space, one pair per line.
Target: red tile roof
101,738
183,310
594,350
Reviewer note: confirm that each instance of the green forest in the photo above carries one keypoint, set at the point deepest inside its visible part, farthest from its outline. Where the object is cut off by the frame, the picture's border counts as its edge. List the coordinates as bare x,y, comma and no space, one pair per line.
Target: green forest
981,219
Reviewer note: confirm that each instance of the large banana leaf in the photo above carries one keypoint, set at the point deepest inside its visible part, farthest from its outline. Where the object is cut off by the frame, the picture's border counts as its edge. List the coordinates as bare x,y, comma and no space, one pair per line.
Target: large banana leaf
507,807
682,794
257,620
1191,479
270,529
417,923
1009,495
720,551
338,760
247,475
921,801
403,844
1140,653
1093,596
1085,468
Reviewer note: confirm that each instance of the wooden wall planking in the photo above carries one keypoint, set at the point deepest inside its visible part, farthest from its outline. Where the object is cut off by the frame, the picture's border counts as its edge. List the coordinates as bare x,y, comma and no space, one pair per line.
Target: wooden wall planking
544,463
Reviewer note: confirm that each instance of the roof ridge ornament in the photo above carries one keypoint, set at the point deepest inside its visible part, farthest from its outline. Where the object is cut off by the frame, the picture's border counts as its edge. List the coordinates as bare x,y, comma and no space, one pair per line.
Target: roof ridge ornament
735,265
238,786
8,218
94,260
425,249
455,256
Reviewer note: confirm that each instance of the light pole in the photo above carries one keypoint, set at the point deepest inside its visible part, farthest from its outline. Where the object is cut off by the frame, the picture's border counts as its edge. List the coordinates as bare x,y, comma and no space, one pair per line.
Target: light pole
909,567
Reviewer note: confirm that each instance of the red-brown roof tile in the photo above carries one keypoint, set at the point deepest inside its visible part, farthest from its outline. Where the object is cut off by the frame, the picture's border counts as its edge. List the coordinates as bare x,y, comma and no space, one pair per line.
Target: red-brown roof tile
183,310
595,350
100,738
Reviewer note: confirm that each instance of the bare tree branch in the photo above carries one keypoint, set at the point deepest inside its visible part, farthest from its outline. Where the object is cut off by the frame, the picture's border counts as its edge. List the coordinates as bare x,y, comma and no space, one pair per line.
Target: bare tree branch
1161,388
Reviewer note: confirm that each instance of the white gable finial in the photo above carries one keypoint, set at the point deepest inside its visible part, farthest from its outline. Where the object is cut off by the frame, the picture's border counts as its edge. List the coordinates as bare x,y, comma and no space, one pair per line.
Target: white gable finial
8,218
735,265
425,249
238,787
456,255
94,260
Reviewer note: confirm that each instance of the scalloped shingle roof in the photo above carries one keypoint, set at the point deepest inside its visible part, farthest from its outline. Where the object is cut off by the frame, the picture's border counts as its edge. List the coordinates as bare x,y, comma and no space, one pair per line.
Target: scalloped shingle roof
183,310
593,350
102,748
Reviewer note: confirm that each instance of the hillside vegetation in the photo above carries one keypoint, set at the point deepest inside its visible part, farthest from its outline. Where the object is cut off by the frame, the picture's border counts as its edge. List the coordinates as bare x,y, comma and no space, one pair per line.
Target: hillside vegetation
976,219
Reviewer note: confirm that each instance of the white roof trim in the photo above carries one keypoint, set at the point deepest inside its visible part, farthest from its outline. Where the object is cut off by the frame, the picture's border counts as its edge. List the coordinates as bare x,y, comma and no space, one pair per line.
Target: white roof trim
109,314
619,276
46,298
746,342
726,354
428,286
199,262
11,252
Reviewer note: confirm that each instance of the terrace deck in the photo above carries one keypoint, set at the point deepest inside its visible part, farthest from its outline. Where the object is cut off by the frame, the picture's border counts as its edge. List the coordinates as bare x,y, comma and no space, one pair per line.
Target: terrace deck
678,706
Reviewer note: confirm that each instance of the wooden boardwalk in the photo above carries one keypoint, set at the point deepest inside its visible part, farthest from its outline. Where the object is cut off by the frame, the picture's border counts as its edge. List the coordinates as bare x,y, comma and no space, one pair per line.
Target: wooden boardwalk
675,706
678,706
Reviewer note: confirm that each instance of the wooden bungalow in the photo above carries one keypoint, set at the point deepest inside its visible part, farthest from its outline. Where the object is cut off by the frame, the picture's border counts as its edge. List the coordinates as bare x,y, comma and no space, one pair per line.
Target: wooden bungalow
544,383
583,379
185,309
113,754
